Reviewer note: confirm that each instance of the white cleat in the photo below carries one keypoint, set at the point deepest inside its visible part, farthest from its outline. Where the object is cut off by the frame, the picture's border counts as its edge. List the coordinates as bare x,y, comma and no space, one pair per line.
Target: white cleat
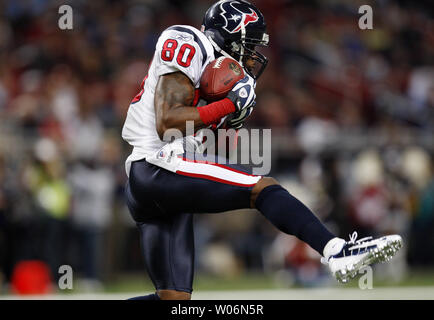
357,254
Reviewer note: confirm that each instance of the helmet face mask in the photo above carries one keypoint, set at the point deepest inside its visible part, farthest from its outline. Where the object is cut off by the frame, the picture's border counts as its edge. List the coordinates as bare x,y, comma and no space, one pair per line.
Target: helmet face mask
235,28
252,60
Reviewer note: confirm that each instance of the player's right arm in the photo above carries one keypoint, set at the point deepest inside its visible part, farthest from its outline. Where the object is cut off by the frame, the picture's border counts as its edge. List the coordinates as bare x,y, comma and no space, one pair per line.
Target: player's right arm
174,97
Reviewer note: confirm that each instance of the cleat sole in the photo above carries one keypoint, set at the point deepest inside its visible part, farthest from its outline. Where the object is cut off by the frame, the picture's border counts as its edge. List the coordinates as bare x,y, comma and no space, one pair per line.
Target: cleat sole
381,254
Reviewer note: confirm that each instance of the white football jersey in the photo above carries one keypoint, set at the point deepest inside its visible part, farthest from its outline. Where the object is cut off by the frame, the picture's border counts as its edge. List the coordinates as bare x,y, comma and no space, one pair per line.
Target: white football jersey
179,48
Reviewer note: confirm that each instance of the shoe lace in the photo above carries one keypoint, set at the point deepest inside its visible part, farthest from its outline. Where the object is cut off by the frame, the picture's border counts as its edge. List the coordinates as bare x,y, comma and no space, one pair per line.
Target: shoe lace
353,241
353,238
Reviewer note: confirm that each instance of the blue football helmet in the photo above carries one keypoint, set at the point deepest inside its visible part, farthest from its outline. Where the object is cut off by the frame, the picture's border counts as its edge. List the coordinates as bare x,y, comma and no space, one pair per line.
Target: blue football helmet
235,28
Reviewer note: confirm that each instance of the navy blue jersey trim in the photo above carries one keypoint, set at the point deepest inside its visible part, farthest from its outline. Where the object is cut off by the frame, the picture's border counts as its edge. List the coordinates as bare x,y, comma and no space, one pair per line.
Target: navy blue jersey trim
196,38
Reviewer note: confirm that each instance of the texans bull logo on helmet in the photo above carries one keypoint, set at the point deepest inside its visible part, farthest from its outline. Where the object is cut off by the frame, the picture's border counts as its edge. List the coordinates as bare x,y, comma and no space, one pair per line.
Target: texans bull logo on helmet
236,28
234,22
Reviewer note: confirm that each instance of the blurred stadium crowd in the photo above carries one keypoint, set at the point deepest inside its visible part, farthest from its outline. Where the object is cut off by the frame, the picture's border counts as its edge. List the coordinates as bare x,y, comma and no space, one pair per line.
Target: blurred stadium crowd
351,113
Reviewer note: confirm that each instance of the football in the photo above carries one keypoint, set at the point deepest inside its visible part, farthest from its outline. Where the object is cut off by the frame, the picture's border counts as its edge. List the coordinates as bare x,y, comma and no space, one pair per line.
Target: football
219,77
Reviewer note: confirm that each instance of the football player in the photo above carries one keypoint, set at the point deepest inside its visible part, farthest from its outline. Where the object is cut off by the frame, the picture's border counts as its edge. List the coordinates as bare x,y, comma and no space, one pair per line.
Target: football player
166,186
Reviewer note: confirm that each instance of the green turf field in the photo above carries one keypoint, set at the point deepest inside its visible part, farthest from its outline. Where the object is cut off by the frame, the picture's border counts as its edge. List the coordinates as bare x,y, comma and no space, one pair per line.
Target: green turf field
257,281
418,284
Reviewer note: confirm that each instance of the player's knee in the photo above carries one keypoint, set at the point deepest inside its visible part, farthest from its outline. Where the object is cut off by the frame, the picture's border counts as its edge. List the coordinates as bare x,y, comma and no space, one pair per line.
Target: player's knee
261,185
173,295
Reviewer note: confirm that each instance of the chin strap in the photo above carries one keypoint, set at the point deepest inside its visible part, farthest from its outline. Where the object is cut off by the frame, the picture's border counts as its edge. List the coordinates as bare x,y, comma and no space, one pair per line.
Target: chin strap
218,49
236,47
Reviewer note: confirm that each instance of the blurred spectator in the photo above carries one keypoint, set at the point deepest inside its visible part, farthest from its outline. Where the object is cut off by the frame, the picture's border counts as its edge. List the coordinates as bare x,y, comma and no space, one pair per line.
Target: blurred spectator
369,200
93,183
419,168
51,193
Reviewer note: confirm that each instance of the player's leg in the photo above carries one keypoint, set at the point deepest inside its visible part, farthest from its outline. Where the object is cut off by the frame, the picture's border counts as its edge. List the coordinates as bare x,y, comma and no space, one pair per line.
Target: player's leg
202,186
288,214
292,217
157,199
168,249
197,187
167,244
205,187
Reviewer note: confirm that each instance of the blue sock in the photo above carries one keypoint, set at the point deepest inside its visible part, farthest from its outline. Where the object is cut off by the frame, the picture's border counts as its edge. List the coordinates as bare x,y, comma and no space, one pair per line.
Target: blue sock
292,217
153,296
